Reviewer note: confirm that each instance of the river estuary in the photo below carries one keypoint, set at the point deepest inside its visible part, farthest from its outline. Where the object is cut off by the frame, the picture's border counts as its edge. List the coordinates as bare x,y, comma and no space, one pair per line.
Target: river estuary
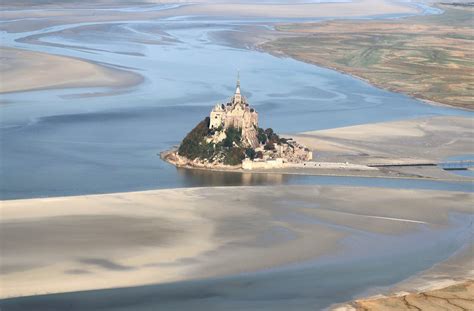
61,142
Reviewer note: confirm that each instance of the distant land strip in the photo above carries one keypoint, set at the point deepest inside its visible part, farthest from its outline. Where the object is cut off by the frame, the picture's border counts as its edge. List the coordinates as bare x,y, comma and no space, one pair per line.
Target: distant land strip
430,57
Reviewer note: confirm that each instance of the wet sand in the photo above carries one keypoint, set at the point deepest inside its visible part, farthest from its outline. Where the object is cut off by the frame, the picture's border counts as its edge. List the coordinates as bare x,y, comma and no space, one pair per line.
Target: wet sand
23,70
448,285
349,9
454,297
426,140
115,240
16,19
386,142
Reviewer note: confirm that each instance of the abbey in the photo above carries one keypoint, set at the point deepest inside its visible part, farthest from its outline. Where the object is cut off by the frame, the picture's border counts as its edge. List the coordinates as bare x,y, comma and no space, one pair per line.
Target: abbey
231,137
237,113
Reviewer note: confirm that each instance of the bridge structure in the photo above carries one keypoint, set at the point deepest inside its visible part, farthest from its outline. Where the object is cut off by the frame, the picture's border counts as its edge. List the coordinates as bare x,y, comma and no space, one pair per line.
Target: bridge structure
457,165
445,165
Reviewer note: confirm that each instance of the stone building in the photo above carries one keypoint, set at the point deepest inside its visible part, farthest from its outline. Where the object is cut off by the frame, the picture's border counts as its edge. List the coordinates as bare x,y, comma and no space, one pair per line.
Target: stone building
237,113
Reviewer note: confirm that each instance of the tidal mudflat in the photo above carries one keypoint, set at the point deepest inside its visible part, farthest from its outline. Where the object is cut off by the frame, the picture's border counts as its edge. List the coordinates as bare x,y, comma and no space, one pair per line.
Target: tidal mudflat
299,247
304,246
110,137
26,71
396,143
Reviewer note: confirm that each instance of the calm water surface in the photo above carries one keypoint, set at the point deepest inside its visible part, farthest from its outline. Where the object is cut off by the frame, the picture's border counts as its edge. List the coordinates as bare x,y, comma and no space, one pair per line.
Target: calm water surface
66,142
370,263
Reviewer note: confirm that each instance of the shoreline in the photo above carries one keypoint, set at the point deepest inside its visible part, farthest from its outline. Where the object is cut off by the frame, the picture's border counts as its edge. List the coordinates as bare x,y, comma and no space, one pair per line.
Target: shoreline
333,173
347,151
457,270
439,294
264,44
365,80
359,144
369,81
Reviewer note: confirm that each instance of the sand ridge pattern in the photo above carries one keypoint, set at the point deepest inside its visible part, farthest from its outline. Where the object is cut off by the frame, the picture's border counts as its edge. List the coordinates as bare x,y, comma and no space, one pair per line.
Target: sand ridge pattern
455,297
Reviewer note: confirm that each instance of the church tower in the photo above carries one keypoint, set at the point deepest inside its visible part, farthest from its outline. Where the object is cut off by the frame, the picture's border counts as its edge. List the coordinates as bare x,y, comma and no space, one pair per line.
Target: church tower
237,95
237,113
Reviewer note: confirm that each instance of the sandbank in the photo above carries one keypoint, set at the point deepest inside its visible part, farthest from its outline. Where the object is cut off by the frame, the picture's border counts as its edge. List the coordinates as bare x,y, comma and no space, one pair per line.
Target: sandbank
425,140
439,137
349,9
23,70
125,239
19,20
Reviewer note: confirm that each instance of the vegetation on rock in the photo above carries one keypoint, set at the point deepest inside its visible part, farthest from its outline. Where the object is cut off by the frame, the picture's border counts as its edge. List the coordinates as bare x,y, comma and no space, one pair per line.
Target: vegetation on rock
192,146
198,144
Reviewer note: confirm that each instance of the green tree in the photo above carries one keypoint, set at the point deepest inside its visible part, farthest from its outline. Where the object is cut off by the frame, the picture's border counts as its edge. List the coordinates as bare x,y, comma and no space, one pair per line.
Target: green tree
269,146
233,135
261,136
234,156
250,153
193,145
269,132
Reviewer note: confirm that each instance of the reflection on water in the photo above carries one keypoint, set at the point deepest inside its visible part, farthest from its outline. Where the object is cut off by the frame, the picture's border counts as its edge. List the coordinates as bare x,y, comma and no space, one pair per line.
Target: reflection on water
196,178
57,142
204,178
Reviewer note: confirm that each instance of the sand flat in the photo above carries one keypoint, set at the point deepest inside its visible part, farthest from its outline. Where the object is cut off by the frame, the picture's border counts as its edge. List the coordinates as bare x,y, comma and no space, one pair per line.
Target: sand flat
126,239
439,137
349,9
457,296
68,13
23,70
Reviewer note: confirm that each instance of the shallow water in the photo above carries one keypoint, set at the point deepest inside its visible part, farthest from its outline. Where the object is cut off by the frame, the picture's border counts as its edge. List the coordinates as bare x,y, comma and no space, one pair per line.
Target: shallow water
58,142
469,172
372,260
66,142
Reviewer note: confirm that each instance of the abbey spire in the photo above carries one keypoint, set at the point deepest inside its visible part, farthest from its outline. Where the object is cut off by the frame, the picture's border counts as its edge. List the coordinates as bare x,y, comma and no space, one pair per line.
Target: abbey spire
237,89
237,113
237,96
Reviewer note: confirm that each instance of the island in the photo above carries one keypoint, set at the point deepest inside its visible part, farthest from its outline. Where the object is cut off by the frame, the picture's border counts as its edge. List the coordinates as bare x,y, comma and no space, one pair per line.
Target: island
230,138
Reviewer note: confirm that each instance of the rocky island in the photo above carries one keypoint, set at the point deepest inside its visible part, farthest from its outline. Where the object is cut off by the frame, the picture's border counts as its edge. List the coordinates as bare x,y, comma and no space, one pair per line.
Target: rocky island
230,138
